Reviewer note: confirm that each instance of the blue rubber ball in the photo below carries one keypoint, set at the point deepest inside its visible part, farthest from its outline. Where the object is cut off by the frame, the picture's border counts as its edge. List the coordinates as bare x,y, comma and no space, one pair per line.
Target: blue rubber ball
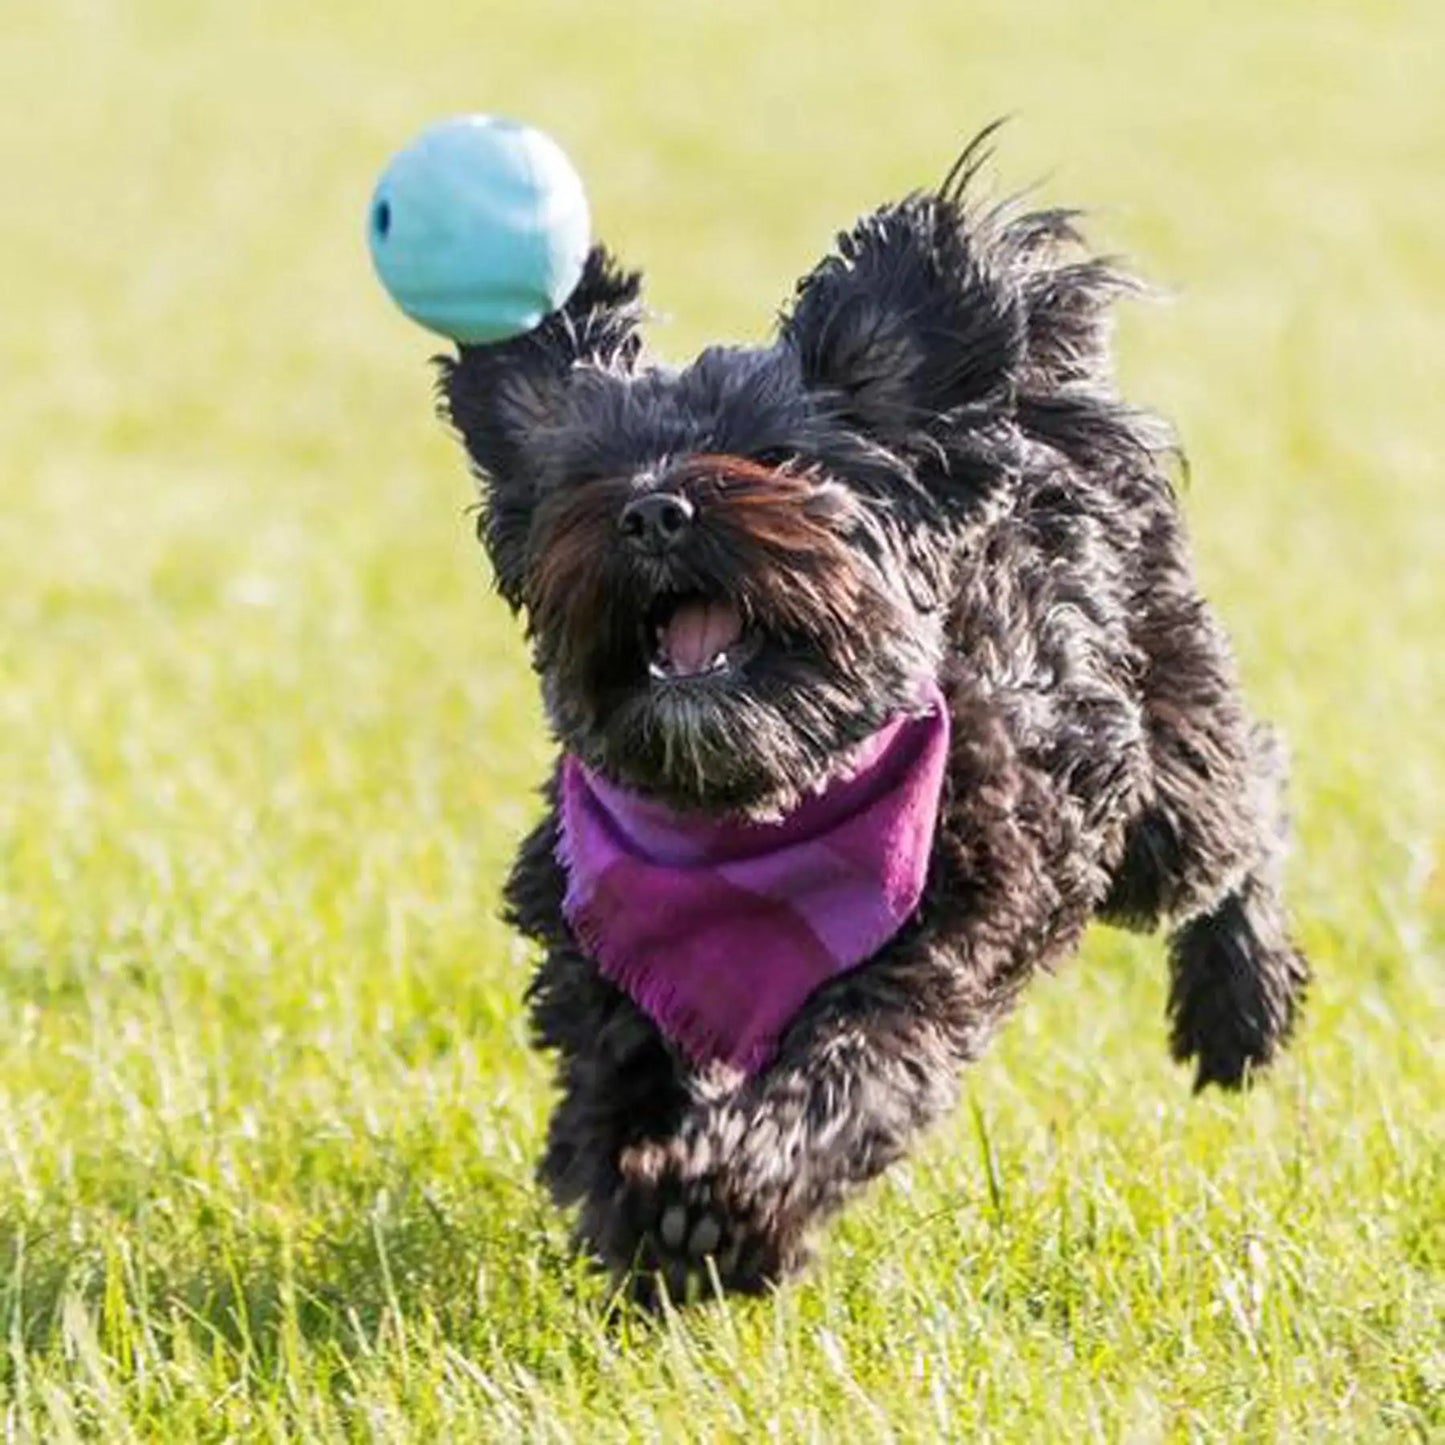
479,228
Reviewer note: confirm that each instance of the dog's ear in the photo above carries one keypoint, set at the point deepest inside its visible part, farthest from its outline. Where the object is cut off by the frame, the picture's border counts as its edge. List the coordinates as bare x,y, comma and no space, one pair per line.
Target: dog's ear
504,400
936,312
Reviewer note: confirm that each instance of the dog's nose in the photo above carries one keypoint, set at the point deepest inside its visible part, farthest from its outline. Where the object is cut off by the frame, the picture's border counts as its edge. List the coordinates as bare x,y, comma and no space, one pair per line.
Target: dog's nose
657,521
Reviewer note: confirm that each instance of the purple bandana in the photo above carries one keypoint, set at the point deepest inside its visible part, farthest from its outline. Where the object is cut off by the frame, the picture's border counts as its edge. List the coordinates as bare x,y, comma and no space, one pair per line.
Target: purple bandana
721,930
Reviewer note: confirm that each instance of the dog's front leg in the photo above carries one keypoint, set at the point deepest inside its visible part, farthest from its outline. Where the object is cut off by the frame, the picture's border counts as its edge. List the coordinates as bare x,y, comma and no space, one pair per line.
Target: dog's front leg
875,1056
874,1059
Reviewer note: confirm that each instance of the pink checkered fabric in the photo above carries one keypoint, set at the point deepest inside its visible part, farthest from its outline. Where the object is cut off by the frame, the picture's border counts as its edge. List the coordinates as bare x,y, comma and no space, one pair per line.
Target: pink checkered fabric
720,930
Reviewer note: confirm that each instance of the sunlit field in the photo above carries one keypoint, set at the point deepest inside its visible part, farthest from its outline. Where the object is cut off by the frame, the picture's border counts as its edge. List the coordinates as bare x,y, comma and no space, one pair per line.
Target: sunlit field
267,1110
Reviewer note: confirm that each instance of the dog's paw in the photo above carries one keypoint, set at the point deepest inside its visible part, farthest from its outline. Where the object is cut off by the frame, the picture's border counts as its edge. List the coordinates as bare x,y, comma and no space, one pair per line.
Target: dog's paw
678,1228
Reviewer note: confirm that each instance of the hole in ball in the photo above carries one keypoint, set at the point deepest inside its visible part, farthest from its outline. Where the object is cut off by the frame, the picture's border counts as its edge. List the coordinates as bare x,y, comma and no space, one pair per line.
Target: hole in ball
381,220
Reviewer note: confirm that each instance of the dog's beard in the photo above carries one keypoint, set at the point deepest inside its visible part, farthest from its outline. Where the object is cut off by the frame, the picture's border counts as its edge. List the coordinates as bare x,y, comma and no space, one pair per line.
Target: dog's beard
732,672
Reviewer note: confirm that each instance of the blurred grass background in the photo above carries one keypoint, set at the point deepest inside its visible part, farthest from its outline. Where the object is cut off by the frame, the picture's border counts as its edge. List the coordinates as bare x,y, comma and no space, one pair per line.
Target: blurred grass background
266,741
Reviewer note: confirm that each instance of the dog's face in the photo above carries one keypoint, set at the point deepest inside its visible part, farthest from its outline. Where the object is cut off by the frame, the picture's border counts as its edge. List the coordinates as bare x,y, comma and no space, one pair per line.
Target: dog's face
724,590
733,572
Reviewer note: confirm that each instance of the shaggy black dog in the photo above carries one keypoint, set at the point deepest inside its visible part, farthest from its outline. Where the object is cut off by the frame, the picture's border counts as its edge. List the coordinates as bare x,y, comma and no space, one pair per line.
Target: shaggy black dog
928,473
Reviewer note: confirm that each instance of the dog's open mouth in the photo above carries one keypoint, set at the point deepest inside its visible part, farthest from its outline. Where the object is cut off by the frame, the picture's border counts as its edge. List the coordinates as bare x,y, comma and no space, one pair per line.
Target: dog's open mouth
689,636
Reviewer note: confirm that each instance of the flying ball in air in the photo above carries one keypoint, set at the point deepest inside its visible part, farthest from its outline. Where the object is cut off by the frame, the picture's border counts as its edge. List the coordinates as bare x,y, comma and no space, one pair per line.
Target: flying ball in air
479,228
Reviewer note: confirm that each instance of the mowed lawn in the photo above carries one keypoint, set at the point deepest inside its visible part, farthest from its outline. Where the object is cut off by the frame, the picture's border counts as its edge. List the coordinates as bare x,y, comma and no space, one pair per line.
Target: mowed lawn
267,1112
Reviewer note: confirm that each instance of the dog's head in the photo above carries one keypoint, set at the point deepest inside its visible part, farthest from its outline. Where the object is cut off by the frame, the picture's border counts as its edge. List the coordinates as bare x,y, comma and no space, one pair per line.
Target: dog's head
733,571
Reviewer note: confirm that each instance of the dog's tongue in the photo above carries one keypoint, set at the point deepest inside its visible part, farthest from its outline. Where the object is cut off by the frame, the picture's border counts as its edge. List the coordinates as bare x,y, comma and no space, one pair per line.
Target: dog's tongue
697,632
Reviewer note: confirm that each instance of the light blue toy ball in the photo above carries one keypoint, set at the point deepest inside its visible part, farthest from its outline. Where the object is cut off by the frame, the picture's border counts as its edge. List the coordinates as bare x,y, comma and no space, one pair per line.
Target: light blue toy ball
479,228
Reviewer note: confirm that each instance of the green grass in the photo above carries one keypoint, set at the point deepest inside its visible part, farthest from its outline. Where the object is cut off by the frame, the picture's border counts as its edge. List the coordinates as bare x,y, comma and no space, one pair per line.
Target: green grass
266,1109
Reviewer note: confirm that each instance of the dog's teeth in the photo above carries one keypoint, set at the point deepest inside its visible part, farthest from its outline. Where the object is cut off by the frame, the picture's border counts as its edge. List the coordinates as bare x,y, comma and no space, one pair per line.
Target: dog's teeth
718,663
657,671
